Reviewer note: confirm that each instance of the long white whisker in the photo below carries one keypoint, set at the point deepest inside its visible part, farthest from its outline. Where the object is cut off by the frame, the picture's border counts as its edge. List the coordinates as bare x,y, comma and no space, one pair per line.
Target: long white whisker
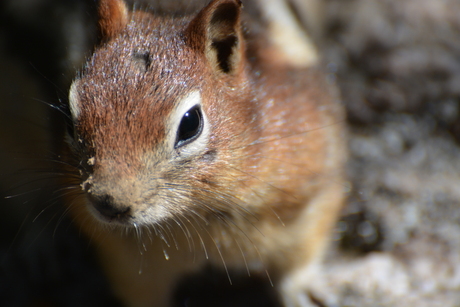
260,141
220,255
199,235
185,230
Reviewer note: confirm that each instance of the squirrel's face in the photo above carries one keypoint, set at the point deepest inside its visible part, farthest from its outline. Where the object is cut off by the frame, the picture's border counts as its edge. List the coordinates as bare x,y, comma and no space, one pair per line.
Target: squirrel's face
154,125
136,174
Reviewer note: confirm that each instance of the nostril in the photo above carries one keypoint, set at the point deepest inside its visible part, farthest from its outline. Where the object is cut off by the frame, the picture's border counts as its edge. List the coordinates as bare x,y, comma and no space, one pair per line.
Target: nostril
107,207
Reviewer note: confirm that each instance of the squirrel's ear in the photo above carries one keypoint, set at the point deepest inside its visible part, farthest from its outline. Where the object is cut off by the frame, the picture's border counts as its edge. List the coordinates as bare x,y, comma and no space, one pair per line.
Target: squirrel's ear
113,17
216,32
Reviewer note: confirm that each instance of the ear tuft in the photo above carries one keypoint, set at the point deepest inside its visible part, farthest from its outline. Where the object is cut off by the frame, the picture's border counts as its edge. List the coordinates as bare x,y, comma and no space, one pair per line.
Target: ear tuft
216,31
113,17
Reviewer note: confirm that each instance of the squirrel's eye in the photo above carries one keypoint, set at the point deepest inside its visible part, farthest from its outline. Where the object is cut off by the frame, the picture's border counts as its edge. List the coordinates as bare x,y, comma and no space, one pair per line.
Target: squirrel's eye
190,126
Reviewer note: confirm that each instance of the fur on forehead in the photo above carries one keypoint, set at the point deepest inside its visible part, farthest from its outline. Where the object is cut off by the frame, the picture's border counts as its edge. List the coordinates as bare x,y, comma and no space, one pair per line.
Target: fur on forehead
148,64
149,54
131,80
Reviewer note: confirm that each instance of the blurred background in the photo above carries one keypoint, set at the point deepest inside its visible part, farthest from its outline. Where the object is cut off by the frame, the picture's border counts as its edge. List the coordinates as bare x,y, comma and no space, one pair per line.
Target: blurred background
397,64
43,260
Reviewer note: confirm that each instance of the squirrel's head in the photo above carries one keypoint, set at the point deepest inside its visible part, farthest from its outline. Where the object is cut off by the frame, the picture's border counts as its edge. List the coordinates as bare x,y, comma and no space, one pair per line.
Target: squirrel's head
159,110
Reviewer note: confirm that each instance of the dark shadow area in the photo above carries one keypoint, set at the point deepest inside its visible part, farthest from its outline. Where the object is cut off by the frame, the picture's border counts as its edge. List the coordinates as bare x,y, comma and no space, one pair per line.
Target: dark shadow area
212,288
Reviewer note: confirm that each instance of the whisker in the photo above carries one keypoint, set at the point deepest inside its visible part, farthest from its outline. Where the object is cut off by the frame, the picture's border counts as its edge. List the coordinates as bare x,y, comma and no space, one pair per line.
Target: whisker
199,235
40,179
259,141
52,201
23,193
61,218
305,168
171,233
263,181
150,234
48,80
140,242
229,201
220,216
16,236
47,224
55,107
193,241
212,198
162,235
185,230
258,195
231,224
220,255
244,257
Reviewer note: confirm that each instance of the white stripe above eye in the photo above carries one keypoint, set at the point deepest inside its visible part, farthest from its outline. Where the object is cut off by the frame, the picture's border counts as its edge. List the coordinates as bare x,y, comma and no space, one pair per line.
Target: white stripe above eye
185,104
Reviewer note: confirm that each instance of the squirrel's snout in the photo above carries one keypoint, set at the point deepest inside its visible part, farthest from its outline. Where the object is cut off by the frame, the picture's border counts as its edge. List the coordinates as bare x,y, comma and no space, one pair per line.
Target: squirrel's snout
106,206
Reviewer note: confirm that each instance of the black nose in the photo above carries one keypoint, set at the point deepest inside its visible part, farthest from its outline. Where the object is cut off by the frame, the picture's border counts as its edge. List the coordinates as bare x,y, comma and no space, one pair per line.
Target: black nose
107,207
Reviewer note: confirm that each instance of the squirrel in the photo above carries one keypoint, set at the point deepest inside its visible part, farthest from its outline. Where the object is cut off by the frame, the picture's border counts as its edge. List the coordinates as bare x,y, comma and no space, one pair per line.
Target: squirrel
198,141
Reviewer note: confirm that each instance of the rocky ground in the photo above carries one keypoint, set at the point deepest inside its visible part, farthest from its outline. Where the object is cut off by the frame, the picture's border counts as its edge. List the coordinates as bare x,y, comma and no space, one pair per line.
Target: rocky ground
398,66
397,63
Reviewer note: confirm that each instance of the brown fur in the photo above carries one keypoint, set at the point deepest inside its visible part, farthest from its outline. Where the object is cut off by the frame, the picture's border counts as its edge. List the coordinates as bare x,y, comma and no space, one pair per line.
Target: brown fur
262,194
113,17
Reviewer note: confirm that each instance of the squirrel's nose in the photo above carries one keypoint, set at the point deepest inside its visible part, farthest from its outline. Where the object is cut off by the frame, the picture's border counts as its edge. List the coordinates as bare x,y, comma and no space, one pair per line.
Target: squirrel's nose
108,208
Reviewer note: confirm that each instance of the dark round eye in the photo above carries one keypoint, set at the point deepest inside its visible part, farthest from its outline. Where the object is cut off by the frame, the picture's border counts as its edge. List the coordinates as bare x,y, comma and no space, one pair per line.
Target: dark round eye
190,126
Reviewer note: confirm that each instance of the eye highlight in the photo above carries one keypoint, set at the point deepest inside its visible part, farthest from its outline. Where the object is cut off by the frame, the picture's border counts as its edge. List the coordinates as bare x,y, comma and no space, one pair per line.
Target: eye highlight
190,127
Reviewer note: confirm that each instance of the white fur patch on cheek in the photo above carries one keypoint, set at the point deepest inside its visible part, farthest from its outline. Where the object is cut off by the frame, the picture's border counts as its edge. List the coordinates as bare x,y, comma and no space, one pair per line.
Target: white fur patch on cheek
153,214
74,101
